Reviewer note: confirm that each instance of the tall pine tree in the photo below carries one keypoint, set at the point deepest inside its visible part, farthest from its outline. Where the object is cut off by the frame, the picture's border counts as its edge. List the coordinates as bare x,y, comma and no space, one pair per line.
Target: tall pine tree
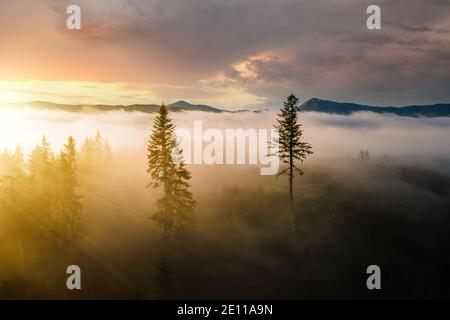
291,146
69,200
175,209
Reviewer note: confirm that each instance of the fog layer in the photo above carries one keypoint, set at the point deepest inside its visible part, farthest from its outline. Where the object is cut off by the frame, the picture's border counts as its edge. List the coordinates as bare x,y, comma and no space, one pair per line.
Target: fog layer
389,209
331,135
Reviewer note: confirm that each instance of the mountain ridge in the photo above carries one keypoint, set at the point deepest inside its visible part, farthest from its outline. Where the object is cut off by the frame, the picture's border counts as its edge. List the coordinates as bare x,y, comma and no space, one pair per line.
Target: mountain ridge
347,108
311,105
146,108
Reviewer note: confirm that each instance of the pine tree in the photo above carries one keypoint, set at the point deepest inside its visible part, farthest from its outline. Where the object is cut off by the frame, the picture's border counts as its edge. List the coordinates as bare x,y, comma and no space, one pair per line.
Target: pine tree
18,169
5,162
69,202
47,153
12,177
175,209
291,146
95,155
42,165
44,194
164,280
35,164
98,147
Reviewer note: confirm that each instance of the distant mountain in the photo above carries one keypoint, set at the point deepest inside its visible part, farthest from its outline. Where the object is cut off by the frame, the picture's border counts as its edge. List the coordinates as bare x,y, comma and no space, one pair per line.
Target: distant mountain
146,108
183,105
314,104
326,106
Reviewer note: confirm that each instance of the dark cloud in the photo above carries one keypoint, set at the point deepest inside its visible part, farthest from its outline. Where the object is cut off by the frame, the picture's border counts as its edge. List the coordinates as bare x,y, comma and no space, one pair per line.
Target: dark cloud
313,47
416,28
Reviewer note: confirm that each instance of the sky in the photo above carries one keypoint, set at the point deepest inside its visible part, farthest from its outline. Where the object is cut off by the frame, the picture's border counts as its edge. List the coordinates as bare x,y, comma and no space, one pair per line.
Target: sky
225,53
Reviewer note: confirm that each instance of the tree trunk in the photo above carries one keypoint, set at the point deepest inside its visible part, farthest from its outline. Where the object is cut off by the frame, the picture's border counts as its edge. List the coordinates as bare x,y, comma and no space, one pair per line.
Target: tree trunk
291,193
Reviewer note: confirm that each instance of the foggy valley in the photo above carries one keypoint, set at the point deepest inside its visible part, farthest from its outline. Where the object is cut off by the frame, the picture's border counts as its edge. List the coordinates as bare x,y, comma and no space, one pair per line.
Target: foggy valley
389,208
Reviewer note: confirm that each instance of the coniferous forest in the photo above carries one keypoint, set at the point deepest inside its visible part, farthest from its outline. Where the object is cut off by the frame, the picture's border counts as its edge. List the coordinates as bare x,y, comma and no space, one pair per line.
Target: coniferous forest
144,224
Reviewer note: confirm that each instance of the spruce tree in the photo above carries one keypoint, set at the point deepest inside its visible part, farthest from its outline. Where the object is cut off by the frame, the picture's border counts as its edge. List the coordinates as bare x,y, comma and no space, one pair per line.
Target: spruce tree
175,209
69,201
291,146
44,195
18,169
164,280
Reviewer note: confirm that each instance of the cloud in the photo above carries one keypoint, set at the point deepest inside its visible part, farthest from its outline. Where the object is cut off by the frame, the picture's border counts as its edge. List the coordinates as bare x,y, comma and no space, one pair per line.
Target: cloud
417,29
316,48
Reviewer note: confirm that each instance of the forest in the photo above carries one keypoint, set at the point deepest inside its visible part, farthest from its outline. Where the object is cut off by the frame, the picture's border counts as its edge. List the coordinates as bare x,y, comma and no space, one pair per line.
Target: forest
141,225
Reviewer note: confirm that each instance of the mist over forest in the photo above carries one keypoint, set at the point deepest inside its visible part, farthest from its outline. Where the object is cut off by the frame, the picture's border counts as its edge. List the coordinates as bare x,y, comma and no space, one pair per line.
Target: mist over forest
389,207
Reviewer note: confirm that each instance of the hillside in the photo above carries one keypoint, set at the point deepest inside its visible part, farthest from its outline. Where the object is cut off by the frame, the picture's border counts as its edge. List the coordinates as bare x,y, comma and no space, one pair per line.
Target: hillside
326,106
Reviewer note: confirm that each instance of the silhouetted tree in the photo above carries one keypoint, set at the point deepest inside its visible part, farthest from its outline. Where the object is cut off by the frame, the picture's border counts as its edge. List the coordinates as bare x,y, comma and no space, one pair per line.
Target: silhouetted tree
18,167
164,280
291,146
175,209
95,155
39,206
11,179
70,203
42,166
86,155
364,155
